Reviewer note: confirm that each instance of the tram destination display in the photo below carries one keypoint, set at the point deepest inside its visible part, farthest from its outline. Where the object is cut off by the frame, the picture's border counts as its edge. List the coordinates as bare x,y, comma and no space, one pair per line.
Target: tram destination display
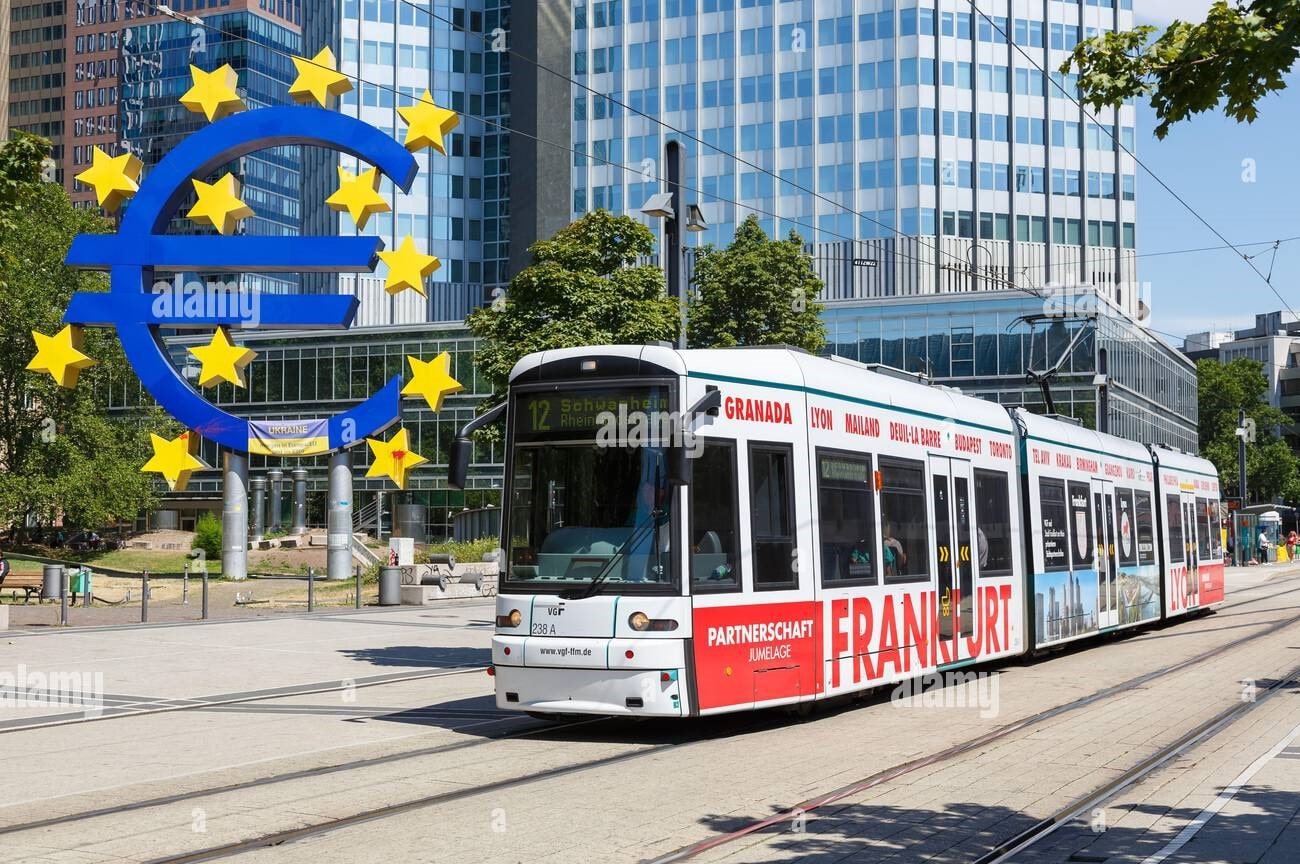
579,414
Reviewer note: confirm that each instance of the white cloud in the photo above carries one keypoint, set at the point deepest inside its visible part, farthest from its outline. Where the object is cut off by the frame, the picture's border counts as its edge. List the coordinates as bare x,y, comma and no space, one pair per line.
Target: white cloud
1164,11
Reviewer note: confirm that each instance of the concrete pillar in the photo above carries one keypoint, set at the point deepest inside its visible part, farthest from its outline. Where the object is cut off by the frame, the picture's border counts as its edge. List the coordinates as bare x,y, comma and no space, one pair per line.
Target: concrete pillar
299,501
276,476
338,520
257,486
234,516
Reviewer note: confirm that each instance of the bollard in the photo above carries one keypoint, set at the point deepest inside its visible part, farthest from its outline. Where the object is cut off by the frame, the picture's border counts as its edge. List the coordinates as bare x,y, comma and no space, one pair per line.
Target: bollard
205,594
311,588
185,586
357,576
144,597
63,597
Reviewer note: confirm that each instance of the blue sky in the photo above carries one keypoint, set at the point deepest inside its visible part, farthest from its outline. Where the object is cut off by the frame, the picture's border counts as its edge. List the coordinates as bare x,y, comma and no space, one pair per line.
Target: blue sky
1202,160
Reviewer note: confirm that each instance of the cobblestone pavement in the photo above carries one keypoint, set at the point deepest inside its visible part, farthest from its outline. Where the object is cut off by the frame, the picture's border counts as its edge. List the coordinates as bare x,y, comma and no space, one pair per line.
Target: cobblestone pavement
257,727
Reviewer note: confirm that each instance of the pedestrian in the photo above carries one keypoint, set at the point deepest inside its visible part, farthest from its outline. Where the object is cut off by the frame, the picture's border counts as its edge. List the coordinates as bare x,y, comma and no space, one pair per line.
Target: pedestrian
392,557
4,568
1262,543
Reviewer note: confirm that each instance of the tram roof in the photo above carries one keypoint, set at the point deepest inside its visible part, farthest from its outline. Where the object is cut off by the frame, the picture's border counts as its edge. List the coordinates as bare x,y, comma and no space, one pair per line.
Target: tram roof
783,368
1167,457
1053,431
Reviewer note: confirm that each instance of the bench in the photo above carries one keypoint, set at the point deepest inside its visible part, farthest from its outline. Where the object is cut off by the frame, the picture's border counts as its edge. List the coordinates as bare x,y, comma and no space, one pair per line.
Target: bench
28,583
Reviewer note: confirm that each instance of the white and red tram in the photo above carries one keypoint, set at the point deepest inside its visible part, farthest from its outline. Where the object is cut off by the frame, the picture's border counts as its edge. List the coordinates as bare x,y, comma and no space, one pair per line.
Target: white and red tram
825,529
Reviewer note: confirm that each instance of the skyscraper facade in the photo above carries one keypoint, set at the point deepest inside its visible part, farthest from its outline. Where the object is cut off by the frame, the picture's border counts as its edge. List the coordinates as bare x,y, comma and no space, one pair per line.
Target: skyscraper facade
920,145
35,46
258,42
458,208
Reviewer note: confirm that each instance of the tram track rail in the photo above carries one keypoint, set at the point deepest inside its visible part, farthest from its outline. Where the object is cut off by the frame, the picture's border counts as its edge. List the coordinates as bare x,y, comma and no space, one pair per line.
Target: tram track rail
1035,834
278,838
124,707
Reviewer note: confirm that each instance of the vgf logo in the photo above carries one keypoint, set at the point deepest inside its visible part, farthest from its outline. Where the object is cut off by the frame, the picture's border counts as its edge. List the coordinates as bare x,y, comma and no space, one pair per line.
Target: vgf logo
139,247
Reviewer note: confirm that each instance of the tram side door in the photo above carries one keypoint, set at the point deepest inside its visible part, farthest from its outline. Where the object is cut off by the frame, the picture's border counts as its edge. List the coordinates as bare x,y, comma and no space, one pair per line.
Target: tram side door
950,500
1192,528
1103,507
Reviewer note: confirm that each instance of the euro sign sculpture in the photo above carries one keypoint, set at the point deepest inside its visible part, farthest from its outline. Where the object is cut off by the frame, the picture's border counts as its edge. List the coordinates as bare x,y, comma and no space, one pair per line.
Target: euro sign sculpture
139,248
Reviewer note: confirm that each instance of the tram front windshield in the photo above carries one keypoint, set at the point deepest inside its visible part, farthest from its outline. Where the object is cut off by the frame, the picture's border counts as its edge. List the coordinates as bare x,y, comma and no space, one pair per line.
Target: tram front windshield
589,491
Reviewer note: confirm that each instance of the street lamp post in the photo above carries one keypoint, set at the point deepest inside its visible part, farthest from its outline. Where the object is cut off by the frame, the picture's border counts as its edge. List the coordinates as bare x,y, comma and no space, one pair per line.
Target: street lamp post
668,206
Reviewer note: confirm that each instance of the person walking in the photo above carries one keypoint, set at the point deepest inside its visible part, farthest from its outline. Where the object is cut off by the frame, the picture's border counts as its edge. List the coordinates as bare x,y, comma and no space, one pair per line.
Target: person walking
1291,540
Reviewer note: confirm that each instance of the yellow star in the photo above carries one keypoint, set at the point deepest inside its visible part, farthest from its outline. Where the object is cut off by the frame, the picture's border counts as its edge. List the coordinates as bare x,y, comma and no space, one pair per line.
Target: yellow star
358,194
219,204
115,178
213,94
174,459
60,355
432,380
319,80
393,459
223,362
427,124
407,267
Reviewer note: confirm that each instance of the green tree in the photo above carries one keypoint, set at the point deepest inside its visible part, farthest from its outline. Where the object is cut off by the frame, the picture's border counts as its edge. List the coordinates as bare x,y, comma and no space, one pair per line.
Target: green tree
1223,390
1237,55
207,536
584,287
60,453
757,291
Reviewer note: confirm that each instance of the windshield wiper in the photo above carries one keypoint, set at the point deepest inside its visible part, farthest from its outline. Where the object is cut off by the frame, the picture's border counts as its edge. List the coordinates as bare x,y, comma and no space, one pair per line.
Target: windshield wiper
638,534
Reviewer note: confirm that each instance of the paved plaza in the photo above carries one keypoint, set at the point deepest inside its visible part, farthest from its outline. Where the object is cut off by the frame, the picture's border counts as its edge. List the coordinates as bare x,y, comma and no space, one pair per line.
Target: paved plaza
373,736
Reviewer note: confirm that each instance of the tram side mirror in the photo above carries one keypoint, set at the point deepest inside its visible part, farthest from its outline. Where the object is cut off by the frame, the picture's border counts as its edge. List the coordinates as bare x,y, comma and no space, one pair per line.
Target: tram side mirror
458,469
679,463
462,446
685,446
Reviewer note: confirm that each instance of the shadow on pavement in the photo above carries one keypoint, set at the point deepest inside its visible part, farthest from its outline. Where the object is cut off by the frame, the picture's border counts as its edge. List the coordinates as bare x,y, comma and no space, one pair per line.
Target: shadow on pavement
962,832
432,657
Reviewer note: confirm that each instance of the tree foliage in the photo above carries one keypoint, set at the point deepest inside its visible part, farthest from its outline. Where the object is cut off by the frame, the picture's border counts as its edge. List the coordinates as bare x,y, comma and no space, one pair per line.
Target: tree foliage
757,291
60,452
1272,470
1237,56
584,287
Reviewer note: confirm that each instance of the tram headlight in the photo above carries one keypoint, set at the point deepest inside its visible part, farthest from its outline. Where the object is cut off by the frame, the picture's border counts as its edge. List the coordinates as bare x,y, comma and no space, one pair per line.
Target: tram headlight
642,622
514,619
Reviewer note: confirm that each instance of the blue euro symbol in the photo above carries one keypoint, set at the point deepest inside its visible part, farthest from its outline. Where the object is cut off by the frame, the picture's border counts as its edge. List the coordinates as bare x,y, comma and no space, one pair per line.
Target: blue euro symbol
139,247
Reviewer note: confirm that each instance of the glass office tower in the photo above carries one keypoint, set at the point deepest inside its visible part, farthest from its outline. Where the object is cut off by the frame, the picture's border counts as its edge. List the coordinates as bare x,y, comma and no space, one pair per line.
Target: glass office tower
458,208
155,72
918,144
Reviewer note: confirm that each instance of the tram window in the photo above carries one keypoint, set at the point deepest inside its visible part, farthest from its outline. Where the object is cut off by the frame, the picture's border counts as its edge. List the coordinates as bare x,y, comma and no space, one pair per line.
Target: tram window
1125,539
1174,521
993,522
1146,537
715,527
1056,548
846,518
1081,523
1212,529
1203,532
772,494
904,521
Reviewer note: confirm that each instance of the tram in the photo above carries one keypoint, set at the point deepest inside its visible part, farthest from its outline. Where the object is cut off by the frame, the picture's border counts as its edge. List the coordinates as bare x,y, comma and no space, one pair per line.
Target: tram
690,532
